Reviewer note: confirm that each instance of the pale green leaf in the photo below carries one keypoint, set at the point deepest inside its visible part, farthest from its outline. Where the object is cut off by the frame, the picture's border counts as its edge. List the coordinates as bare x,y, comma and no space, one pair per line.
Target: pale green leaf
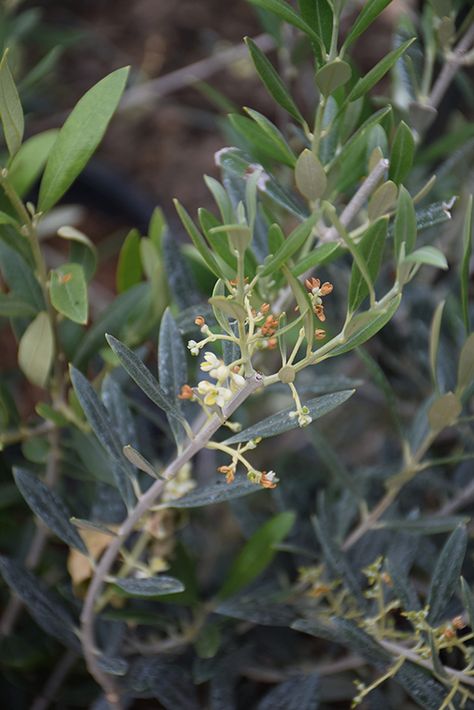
11,112
310,177
68,290
36,350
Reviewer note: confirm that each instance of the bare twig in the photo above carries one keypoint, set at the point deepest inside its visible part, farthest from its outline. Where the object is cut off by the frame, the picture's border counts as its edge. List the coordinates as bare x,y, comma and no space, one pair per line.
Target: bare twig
450,68
463,498
54,682
146,501
199,71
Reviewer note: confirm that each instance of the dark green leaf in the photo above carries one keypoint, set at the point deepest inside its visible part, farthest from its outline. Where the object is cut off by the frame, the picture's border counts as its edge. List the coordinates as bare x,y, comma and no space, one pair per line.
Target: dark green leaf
290,246
80,136
361,643
129,267
257,609
370,11
99,420
198,240
371,249
68,291
401,155
20,278
149,586
257,553
45,608
260,141
466,365
318,14
421,686
446,575
283,10
366,83
142,376
48,506
468,599
216,493
11,112
278,423
272,81
12,307
317,257
424,525
284,152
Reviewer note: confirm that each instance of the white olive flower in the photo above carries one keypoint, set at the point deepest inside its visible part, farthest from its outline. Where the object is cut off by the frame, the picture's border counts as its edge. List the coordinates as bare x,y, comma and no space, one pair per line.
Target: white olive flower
193,347
213,394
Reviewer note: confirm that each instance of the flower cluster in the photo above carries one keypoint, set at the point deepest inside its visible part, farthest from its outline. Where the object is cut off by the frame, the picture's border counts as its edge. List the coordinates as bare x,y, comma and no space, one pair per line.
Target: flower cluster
228,381
316,291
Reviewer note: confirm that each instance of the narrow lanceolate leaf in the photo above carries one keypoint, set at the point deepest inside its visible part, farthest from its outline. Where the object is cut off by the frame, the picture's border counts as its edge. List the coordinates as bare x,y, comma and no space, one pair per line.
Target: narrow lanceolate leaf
468,599
198,240
466,365
301,692
80,136
371,249
11,112
318,14
446,575
290,246
278,423
11,307
285,153
310,177
149,586
428,255
466,259
142,376
272,81
364,326
434,340
36,350
45,608
257,553
401,155
172,367
28,163
370,11
99,420
405,227
216,493
68,291
48,506
139,461
282,9
383,200
129,267
373,77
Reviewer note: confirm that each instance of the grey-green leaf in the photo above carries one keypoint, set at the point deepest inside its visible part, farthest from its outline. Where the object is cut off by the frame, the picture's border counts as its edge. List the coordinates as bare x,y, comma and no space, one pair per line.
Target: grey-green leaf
333,75
149,586
272,81
142,376
290,246
371,249
80,136
47,610
310,177
218,492
446,575
466,364
405,226
428,255
11,112
465,264
278,423
99,420
48,506
172,367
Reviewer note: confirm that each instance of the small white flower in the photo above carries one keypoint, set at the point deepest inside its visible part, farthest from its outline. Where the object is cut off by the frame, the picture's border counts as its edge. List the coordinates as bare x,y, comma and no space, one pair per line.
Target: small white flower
271,476
237,379
210,362
304,420
193,347
213,394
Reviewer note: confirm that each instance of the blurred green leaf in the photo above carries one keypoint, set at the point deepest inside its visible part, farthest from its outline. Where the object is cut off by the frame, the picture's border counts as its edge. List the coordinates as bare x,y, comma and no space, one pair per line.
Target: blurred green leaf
283,10
366,83
198,240
19,277
172,366
444,411
79,137
149,586
405,226
278,423
317,257
434,340
11,112
401,155
466,365
289,247
445,577
428,255
272,81
216,493
318,14
83,251
257,553
364,326
370,11
29,161
36,350
49,507
383,200
301,692
12,307
427,692
129,267
283,151
468,599
68,290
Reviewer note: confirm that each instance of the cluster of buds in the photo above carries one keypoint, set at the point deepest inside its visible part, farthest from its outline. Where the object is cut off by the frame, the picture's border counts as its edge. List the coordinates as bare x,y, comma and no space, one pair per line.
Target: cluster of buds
316,291
263,478
195,347
228,381
304,417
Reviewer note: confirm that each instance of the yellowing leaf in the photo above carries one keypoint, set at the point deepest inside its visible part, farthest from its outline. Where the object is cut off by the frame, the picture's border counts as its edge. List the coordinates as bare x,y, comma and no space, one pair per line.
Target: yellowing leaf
36,350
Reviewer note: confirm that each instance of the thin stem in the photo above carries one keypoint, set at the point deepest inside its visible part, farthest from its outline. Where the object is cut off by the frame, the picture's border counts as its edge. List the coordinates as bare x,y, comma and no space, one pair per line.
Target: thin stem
23,434
49,693
103,568
450,68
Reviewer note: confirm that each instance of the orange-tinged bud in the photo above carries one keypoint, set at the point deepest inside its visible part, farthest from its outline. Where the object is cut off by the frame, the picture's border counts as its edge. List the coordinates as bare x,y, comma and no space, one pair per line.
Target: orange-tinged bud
200,321
319,334
186,392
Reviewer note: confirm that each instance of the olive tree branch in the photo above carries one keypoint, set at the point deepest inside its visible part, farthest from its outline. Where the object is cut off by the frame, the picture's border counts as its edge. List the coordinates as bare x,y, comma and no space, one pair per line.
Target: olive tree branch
103,568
